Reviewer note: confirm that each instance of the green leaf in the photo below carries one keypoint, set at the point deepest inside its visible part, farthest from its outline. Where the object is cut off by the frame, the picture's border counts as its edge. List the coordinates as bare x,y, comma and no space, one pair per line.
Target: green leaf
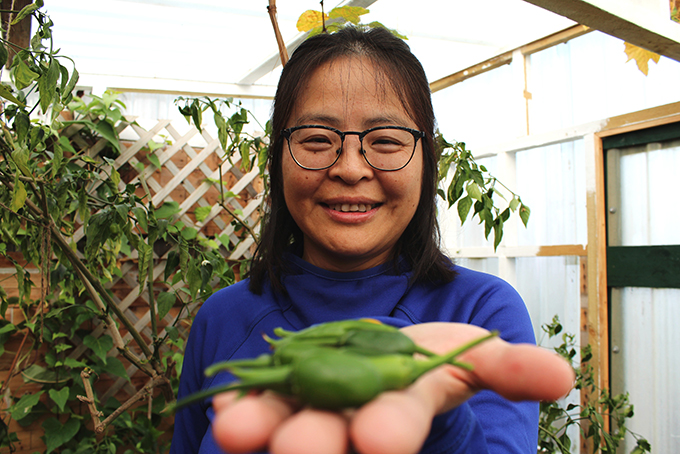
19,196
514,203
165,302
474,191
115,176
22,123
38,374
23,75
57,433
115,367
47,85
99,345
107,131
74,363
153,159
225,240
197,114
26,11
171,264
167,210
145,257
4,55
140,215
349,13
189,233
71,84
23,407
57,159
193,278
202,212
497,233
464,206
59,397
524,213
6,92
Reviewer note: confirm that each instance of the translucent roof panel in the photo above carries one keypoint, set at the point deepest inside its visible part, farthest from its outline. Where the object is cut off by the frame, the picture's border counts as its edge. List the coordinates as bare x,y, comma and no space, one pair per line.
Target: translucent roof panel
213,46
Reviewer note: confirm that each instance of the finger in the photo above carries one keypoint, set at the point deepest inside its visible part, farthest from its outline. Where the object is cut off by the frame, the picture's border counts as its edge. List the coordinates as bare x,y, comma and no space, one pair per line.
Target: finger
311,432
395,422
222,401
521,371
247,424
516,371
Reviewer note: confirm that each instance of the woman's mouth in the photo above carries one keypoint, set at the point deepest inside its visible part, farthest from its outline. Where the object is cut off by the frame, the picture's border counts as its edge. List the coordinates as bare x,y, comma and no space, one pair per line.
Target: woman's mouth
352,207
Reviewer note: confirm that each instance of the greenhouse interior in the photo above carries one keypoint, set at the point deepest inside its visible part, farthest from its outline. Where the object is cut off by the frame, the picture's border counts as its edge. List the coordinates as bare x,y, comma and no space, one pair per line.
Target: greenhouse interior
133,186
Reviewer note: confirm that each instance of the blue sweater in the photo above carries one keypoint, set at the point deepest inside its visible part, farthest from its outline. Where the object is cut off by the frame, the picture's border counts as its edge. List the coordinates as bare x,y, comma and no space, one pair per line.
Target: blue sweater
231,322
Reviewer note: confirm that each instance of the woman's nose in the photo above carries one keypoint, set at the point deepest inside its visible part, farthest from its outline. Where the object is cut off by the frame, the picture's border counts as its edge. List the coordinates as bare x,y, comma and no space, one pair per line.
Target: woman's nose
351,167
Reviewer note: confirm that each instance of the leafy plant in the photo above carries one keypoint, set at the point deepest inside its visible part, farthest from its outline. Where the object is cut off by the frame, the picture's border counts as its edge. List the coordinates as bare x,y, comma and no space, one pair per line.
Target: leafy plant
472,187
67,207
601,420
316,22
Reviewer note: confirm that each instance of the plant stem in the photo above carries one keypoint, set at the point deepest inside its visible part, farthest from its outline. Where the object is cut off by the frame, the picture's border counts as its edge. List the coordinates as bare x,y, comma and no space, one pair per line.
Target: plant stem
283,52
101,290
115,334
233,214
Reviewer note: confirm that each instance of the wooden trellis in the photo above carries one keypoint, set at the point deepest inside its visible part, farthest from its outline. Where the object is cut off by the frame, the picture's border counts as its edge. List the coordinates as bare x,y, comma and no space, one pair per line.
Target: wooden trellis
191,163
187,176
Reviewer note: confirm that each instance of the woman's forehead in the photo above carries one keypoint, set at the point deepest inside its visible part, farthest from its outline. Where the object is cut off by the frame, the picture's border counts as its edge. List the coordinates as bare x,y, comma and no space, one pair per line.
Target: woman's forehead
349,86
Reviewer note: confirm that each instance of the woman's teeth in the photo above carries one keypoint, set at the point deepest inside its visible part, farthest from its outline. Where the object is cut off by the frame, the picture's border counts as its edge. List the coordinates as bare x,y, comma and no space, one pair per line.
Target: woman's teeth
347,207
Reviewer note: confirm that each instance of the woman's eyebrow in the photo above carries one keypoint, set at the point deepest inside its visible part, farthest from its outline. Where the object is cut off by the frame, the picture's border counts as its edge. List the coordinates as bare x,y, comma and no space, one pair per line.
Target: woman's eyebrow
317,119
336,122
382,120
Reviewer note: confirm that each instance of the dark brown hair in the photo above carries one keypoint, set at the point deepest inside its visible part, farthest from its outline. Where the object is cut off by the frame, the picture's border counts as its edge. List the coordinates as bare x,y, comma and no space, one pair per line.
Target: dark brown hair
392,58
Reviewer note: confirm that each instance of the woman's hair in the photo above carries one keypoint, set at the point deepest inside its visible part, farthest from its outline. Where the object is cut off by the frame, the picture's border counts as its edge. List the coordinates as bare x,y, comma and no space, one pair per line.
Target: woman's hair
398,67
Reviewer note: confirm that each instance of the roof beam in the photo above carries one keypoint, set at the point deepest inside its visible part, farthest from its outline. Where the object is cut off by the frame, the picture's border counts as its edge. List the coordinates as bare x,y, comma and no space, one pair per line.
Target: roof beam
506,57
644,23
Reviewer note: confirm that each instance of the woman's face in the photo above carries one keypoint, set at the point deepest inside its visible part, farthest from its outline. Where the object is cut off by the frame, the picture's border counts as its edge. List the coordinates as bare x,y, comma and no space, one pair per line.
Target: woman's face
351,215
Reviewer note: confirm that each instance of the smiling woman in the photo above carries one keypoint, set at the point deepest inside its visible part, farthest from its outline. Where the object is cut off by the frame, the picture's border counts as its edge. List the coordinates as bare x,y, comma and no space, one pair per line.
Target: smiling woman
351,232
325,203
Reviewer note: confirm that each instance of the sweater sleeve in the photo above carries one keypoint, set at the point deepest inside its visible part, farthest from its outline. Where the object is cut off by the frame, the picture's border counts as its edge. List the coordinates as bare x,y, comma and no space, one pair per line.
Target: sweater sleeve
509,427
191,423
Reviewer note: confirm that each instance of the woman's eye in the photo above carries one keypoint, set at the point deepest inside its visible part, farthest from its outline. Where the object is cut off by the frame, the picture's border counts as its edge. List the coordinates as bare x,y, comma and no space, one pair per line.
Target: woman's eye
318,139
386,144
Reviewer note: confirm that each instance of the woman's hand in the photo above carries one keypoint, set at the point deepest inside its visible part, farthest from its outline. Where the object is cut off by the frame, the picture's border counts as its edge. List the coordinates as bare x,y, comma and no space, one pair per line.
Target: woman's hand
396,422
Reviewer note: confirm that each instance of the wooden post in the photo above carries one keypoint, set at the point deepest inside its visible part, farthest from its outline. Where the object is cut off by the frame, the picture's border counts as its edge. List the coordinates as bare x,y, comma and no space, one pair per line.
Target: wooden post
18,34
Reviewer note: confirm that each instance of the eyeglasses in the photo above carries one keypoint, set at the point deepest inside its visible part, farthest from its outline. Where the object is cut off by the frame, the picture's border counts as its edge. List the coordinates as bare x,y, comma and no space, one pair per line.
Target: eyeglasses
318,147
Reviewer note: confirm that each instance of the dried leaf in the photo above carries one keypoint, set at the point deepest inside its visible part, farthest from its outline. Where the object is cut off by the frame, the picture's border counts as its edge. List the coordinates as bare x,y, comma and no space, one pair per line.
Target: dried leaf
310,19
641,57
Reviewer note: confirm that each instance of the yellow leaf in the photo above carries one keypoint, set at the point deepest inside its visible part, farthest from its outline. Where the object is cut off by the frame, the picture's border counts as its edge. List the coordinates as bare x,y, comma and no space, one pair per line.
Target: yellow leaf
349,13
641,57
310,19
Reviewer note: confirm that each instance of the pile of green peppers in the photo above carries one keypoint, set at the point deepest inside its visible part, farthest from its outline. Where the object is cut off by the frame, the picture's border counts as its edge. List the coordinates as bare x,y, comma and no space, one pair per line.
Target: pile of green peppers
334,365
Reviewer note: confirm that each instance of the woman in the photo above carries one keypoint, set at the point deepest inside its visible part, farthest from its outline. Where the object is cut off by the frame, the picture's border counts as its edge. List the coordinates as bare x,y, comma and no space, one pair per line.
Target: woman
351,232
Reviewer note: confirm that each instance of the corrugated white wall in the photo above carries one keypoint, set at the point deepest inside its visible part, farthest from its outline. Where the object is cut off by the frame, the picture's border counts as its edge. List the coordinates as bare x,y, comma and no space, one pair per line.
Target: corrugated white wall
584,80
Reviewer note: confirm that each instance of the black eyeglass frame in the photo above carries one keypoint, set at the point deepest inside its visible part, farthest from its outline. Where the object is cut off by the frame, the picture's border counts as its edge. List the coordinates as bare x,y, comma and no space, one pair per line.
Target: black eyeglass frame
361,134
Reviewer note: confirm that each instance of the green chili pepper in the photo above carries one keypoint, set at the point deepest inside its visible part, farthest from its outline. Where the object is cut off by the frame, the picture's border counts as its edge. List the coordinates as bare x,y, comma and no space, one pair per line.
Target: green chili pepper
334,365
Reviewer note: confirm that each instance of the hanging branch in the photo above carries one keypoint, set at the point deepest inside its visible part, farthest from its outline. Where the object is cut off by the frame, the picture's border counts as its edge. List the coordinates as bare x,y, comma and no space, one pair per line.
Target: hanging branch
89,399
283,52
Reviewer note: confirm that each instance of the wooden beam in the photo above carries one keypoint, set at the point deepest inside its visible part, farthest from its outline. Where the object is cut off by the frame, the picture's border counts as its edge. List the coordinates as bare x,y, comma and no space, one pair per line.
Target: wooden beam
640,22
597,334
558,250
506,57
472,71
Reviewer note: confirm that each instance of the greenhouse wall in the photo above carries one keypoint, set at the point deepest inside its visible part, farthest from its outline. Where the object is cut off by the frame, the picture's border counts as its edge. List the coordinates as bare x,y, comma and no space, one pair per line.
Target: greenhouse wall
582,82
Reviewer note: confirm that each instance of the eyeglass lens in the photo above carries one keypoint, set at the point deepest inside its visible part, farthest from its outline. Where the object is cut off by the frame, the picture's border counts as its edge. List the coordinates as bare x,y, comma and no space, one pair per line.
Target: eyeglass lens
385,149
